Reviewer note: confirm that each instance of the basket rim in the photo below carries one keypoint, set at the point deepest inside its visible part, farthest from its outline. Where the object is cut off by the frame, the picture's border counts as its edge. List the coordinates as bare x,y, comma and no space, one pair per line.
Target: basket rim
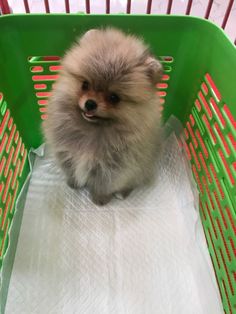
198,20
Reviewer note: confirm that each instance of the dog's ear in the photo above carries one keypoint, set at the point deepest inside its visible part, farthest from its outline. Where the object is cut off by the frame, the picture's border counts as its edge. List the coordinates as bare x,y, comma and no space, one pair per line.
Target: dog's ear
89,33
154,69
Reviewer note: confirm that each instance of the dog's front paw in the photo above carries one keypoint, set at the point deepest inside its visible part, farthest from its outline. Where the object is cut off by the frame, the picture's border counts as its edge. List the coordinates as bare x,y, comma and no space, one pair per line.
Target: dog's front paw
123,194
72,183
101,200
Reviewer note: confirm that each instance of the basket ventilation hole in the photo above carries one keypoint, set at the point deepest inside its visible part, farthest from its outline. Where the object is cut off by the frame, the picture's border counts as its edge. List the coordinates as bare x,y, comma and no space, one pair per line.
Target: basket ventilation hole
45,71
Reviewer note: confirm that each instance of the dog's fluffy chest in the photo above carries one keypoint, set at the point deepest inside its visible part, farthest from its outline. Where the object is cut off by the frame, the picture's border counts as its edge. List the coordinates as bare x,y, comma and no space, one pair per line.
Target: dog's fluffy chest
97,161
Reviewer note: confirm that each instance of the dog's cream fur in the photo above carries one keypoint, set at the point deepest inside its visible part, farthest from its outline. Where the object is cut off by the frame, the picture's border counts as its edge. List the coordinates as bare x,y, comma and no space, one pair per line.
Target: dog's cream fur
116,151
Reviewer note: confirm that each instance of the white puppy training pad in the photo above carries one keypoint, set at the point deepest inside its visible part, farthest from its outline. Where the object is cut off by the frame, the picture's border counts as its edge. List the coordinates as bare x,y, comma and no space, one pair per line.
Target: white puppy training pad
143,255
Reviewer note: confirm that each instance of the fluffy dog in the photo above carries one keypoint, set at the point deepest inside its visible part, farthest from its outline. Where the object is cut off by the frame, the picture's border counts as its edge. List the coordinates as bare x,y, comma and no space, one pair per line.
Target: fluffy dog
103,116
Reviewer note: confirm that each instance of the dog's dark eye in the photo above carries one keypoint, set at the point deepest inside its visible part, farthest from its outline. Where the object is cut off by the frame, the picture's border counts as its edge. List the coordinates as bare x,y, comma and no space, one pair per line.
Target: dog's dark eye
113,98
85,85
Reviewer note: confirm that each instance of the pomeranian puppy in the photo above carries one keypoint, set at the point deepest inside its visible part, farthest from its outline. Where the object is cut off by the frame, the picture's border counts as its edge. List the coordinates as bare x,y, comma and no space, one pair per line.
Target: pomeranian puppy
103,116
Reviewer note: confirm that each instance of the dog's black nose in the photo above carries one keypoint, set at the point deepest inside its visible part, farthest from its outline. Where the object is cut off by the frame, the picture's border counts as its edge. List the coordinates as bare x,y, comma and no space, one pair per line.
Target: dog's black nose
90,105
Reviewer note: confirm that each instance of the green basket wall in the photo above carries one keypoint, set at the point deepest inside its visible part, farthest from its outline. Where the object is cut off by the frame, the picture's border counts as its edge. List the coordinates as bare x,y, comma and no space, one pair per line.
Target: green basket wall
198,87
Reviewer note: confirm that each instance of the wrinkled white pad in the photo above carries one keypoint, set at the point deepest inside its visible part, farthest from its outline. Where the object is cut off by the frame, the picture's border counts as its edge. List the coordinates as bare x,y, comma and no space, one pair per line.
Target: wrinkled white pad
146,254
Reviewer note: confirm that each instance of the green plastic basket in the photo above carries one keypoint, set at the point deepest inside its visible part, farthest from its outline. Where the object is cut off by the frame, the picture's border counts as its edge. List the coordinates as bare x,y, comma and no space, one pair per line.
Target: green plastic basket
198,87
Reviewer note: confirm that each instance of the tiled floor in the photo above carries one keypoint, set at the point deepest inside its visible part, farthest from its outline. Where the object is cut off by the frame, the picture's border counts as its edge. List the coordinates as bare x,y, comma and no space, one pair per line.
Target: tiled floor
138,6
